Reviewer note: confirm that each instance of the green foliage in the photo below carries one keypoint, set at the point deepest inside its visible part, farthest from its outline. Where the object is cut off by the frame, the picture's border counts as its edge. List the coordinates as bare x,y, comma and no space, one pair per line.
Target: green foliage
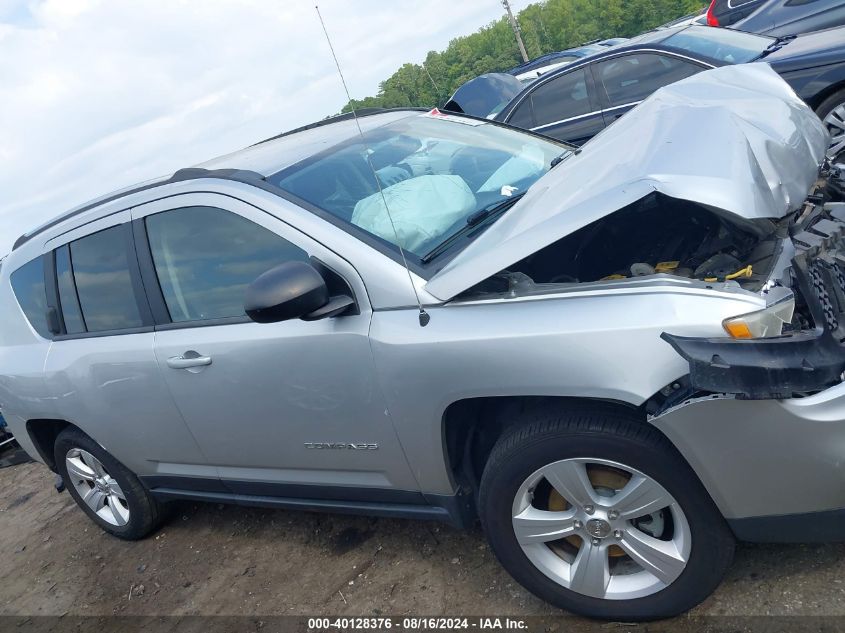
546,26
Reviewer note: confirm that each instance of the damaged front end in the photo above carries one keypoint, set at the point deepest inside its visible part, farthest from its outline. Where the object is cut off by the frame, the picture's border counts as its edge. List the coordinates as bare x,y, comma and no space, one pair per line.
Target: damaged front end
714,186
808,354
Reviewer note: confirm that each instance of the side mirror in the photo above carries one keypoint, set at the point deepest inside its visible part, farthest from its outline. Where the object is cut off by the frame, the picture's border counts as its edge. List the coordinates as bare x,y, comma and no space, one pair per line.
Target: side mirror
293,290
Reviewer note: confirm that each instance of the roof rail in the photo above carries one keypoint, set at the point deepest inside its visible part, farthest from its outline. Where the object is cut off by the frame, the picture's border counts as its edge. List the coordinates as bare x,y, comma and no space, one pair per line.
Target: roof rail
346,116
190,173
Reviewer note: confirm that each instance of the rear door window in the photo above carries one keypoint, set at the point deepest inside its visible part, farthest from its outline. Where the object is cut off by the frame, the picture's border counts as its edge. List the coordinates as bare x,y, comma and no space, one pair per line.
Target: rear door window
28,286
206,257
631,78
103,281
562,98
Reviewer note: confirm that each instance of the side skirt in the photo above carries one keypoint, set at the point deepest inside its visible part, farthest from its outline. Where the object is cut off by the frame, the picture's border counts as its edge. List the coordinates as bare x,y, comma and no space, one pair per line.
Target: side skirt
813,527
456,510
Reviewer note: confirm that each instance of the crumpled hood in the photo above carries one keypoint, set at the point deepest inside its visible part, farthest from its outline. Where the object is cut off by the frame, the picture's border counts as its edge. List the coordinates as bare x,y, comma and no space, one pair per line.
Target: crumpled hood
735,138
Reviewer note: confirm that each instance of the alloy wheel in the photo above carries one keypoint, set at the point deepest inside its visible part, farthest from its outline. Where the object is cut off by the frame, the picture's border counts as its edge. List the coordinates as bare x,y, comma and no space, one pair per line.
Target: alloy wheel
96,487
835,122
601,528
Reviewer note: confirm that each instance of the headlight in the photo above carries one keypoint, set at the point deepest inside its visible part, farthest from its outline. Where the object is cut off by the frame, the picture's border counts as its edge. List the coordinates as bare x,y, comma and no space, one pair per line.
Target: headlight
763,323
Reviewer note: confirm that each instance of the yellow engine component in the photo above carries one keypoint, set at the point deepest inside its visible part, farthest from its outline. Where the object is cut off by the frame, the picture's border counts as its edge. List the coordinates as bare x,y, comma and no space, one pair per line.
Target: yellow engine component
665,267
742,273
745,272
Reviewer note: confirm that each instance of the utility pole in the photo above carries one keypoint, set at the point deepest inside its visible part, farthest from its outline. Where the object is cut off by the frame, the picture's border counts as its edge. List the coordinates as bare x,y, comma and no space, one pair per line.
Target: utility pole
515,27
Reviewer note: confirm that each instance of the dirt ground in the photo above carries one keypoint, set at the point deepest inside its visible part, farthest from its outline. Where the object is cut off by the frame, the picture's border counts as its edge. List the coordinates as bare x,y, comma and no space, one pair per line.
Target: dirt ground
211,559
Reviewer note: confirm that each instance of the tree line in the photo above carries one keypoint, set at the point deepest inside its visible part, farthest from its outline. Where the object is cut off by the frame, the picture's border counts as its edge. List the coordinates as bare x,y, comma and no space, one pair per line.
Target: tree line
546,26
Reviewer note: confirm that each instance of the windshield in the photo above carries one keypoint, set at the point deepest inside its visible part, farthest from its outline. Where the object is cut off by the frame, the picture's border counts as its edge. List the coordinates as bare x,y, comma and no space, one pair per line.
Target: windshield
724,45
436,171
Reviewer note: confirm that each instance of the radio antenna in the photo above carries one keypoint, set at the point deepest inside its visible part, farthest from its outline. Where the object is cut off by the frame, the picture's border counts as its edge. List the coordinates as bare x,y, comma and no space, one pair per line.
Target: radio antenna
425,317
437,94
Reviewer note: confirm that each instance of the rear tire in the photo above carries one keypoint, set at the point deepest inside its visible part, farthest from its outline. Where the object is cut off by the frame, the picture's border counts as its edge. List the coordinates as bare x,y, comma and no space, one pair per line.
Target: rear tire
108,492
608,443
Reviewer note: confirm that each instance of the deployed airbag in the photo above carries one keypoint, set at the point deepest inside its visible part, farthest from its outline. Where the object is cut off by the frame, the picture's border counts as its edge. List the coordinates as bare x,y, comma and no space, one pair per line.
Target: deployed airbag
423,210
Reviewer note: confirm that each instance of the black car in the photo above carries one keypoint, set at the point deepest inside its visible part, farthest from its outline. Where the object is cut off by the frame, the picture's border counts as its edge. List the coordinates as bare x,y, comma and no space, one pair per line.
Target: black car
578,101
777,17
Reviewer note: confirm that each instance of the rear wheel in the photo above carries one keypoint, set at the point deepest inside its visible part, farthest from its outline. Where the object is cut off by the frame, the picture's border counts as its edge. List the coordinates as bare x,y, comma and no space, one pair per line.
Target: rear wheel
597,513
832,113
111,495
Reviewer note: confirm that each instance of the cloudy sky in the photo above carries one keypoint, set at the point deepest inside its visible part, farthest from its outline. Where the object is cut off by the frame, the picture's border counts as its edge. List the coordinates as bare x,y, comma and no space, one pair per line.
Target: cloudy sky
99,94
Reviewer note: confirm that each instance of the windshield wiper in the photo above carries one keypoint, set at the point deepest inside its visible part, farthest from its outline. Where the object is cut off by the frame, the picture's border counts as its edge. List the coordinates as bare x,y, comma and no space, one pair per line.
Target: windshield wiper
557,160
778,44
483,215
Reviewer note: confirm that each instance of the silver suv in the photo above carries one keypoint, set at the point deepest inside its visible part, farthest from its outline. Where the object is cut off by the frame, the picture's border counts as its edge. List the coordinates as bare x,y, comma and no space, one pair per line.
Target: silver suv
620,358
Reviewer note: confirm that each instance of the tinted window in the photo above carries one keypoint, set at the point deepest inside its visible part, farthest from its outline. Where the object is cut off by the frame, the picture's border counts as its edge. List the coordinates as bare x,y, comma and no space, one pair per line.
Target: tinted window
561,98
103,282
632,78
71,311
523,116
28,284
205,258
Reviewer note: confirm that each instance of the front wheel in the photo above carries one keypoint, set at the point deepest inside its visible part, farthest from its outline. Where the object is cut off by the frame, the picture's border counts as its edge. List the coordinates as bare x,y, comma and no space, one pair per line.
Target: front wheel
597,513
832,113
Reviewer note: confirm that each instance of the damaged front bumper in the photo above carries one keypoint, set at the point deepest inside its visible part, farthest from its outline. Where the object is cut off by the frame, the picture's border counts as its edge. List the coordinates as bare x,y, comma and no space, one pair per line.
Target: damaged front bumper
796,364
764,368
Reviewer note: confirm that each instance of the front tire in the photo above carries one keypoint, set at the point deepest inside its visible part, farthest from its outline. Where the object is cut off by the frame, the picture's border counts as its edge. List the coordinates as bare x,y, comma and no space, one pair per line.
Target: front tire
596,512
109,493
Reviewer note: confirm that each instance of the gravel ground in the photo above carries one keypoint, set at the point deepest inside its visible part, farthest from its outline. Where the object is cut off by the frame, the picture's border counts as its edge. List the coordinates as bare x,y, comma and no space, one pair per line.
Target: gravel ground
222,560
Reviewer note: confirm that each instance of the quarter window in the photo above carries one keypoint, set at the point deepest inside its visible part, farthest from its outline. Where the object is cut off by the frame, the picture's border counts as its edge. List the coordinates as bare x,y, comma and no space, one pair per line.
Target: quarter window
631,78
206,257
103,281
562,98
71,312
28,285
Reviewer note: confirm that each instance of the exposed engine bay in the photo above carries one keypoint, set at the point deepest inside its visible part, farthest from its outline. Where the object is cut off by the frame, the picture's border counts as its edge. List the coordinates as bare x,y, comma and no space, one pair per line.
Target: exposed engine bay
658,234
663,235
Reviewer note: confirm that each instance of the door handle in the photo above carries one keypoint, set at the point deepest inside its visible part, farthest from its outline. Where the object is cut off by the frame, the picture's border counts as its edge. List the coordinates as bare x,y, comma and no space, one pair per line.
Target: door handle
188,360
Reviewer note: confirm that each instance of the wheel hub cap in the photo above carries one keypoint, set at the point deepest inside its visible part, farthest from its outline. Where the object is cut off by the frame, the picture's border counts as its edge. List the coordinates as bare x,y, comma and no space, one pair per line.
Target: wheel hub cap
598,528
